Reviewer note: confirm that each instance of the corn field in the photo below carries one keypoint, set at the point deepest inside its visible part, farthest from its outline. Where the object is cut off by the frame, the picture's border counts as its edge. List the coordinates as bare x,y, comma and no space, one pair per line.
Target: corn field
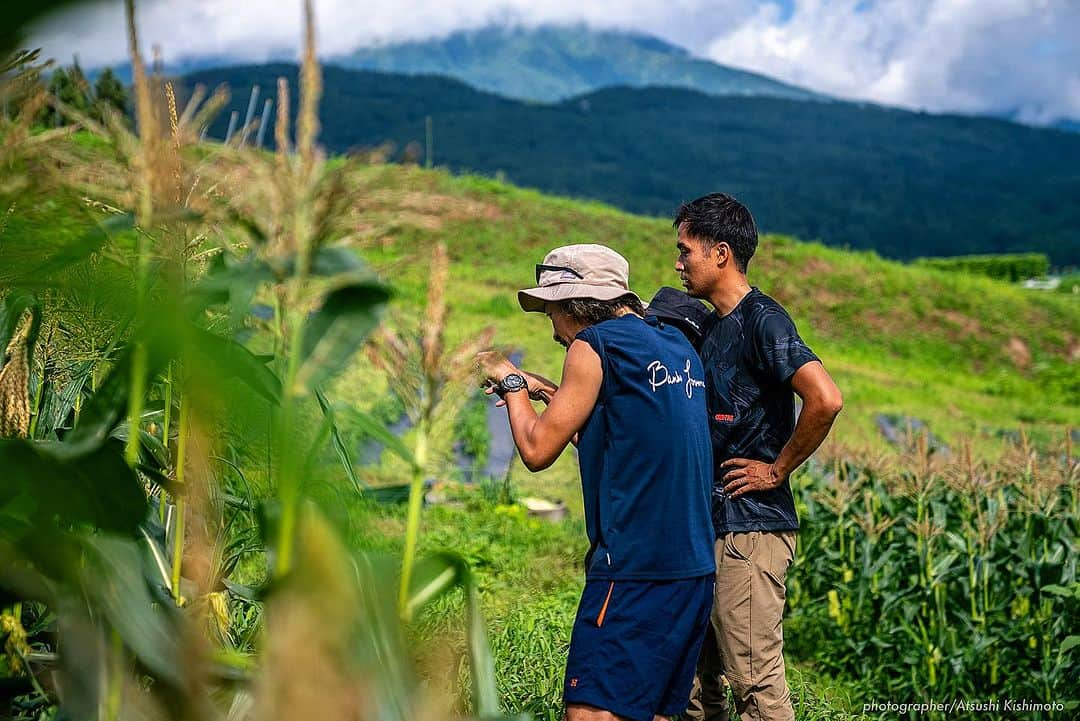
931,577
170,546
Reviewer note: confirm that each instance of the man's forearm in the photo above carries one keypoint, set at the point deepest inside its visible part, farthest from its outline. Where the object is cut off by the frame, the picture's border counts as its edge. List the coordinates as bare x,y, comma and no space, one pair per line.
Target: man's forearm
523,418
810,431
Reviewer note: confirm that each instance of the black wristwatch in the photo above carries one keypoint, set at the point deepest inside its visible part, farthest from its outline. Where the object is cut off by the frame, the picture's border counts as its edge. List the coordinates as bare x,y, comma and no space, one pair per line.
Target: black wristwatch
511,384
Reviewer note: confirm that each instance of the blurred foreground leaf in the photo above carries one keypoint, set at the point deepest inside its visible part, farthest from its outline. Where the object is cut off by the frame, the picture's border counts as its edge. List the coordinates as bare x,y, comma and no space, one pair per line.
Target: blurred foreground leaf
220,358
51,483
434,576
114,581
349,312
16,15
375,430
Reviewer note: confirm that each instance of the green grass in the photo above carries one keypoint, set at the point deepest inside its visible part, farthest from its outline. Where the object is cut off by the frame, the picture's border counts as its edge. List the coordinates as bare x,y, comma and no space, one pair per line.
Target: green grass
530,576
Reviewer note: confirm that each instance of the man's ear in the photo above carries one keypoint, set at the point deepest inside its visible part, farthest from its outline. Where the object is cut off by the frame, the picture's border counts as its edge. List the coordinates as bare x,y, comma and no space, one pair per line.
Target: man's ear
723,253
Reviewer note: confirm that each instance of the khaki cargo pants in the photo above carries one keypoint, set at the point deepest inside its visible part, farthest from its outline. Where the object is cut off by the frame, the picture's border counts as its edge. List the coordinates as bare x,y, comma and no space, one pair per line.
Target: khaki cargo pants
747,643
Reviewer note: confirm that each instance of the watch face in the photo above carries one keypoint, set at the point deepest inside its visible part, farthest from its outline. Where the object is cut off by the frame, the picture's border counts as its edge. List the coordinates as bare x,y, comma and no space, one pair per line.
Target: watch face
514,382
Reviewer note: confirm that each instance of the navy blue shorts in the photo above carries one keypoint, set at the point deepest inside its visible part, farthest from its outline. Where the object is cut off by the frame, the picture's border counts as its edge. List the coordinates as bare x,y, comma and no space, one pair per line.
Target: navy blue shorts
635,645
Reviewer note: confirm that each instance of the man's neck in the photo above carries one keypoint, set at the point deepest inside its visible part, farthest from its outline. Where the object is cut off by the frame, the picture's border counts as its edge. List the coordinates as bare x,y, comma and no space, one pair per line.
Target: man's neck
727,296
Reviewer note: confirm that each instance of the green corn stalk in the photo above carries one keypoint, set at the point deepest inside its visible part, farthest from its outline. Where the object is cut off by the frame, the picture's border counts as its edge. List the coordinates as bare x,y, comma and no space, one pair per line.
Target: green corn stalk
302,244
412,524
165,428
181,504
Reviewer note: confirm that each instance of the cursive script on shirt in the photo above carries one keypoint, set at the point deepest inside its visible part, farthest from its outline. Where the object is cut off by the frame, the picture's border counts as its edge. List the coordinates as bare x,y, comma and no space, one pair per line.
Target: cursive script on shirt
661,377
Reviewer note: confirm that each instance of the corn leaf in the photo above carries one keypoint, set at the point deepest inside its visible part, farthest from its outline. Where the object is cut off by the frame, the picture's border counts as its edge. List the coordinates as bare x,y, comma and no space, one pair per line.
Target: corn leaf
95,488
432,577
67,253
335,332
372,428
114,581
231,282
221,358
56,406
340,448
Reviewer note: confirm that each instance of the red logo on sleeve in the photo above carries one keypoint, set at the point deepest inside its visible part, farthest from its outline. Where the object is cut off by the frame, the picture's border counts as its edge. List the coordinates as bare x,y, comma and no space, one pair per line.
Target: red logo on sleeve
724,418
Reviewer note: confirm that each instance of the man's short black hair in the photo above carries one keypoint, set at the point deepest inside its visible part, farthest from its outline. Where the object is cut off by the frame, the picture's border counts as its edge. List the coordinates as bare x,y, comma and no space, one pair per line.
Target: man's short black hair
719,218
591,311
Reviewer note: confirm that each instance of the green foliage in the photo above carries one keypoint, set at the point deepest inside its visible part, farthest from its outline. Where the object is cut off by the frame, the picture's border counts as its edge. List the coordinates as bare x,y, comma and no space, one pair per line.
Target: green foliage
1009,267
136,585
70,87
110,93
50,482
532,648
78,98
934,579
1070,283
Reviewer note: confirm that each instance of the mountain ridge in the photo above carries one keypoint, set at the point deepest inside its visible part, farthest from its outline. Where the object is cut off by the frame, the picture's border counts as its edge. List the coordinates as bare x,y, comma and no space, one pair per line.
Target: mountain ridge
550,63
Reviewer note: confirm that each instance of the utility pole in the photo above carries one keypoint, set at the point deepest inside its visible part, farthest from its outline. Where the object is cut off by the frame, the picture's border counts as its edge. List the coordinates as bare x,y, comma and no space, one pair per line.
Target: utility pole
232,125
250,115
429,151
264,121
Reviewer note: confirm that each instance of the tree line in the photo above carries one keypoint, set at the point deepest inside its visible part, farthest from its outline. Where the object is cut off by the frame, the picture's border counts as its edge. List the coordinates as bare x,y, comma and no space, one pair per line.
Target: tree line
75,93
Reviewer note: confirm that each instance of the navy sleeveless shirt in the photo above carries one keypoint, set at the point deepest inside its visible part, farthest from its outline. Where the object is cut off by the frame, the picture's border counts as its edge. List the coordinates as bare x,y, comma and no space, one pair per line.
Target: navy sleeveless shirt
646,456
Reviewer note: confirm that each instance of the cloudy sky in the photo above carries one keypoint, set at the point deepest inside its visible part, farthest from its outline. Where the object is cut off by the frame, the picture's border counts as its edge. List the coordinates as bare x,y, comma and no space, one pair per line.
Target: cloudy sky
974,56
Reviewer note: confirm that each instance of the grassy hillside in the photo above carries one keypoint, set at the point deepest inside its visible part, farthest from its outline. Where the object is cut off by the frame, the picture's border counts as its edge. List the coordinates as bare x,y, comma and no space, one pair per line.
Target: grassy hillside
969,356
901,183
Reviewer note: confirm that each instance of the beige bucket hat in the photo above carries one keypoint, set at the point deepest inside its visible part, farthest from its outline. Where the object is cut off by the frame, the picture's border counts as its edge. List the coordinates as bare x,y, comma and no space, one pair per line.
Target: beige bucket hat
587,270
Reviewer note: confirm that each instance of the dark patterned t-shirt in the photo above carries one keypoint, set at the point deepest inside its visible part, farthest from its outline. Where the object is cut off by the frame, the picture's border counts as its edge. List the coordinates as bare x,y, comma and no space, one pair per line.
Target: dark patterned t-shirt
749,356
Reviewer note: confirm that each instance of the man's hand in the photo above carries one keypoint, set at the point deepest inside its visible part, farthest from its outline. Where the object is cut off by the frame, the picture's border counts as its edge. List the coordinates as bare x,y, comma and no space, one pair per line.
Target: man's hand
747,475
492,366
540,388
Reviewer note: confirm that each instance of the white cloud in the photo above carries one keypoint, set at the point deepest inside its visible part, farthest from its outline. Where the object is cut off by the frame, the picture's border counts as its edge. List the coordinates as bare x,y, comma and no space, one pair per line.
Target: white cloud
1019,56
256,30
974,56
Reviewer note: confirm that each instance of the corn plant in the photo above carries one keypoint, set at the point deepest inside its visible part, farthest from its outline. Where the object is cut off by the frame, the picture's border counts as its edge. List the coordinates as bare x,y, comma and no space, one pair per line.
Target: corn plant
926,576
433,386
186,239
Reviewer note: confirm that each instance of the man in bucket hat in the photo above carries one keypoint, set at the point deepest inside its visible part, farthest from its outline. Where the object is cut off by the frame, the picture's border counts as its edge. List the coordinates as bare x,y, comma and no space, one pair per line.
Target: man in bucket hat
632,394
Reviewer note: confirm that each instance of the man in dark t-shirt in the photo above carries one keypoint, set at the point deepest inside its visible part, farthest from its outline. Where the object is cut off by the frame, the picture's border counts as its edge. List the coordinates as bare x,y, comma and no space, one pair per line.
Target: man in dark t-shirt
755,363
